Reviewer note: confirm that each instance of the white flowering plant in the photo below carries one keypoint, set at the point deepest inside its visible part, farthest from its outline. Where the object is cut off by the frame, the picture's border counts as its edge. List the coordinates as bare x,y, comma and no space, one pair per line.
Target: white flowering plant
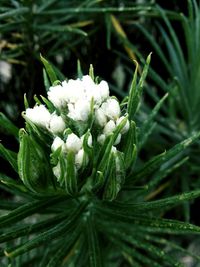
80,134
79,168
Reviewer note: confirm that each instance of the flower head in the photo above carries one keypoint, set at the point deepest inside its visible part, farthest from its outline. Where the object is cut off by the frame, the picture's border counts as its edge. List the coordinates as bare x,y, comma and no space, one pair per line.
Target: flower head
73,143
56,95
57,142
111,108
39,115
56,124
81,118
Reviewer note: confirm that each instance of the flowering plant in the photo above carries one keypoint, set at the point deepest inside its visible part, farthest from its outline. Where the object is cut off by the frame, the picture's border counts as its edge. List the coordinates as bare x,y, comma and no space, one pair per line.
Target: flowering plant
76,164
85,135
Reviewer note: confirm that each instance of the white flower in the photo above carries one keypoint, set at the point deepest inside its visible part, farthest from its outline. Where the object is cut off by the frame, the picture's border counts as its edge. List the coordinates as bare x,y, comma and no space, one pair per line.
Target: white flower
100,117
114,149
79,157
101,139
117,141
39,115
57,170
91,90
73,143
73,90
87,83
126,126
104,90
82,109
111,109
109,128
56,124
90,140
57,142
79,111
56,95
117,163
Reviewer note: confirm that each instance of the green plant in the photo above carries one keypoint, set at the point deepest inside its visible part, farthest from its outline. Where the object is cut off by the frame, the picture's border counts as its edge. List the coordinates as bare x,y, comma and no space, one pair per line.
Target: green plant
61,30
99,212
174,40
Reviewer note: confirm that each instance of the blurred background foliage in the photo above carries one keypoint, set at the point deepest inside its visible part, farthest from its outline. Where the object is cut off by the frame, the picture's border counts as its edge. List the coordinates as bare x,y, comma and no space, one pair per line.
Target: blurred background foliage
64,31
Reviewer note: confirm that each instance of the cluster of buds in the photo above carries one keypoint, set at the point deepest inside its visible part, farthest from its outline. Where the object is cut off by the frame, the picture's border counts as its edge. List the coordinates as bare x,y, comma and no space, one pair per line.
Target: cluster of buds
80,117
73,99
78,140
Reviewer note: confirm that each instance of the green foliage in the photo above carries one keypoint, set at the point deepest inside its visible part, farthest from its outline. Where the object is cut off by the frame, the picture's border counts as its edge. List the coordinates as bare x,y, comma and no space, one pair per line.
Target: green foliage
133,211
55,227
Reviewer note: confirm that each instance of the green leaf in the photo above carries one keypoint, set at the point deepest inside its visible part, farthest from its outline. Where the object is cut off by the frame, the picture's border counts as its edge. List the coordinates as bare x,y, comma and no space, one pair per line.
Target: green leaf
145,260
162,241
169,202
46,81
71,185
33,166
13,183
129,146
79,70
133,254
111,186
93,243
24,211
10,156
9,205
106,149
115,177
65,227
64,251
136,89
49,69
146,128
15,12
7,126
154,164
24,230
91,72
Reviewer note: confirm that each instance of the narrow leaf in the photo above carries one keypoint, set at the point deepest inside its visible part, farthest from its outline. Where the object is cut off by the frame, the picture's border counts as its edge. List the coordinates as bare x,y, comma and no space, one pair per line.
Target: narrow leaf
93,243
10,156
49,69
7,126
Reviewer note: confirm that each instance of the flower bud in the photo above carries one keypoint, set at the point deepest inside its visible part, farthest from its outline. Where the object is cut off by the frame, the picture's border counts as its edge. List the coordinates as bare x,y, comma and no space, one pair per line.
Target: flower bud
90,140
57,171
117,141
73,90
91,90
58,142
56,95
73,143
114,149
100,117
56,124
101,139
104,90
79,158
126,127
39,115
82,109
109,128
111,108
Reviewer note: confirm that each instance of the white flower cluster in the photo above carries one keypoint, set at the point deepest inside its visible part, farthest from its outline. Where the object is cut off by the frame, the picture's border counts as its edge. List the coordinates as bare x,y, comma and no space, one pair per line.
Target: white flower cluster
72,144
76,96
108,117
73,99
41,116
